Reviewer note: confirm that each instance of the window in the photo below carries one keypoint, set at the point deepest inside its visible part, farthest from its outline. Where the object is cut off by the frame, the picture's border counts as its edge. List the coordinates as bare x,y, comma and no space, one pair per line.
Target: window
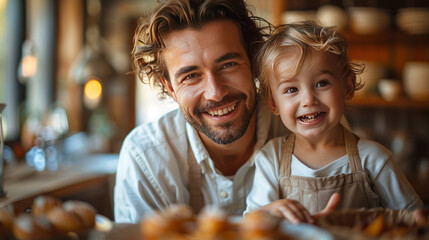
11,34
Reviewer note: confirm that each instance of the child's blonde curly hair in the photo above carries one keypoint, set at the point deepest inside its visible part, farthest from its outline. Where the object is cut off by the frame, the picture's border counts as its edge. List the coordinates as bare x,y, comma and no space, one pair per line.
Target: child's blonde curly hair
304,35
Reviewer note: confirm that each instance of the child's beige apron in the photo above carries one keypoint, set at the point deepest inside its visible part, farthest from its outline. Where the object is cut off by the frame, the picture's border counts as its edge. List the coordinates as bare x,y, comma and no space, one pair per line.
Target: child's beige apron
314,192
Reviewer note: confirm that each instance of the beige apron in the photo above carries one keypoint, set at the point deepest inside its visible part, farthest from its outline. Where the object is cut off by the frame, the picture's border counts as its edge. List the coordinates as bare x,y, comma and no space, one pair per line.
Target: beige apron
314,192
196,199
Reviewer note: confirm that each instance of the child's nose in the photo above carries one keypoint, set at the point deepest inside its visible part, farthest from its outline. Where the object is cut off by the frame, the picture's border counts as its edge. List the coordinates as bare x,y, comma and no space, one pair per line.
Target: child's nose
308,99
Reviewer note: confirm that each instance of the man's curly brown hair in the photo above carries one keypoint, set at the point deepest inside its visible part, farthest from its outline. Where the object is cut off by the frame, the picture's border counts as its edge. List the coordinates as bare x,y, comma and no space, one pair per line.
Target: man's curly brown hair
172,15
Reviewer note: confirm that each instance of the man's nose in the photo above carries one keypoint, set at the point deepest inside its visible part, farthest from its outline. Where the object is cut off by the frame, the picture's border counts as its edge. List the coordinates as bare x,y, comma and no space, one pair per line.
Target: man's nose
215,90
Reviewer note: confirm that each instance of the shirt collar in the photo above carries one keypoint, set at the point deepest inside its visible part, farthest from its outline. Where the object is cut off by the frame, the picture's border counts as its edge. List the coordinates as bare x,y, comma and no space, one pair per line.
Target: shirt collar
197,146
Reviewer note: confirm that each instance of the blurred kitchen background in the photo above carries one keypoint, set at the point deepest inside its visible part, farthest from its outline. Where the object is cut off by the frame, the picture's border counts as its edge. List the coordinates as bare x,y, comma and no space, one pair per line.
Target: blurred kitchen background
65,75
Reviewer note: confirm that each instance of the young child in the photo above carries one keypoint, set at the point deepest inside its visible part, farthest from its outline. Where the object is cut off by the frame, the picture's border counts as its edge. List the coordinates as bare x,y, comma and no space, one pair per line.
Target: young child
306,78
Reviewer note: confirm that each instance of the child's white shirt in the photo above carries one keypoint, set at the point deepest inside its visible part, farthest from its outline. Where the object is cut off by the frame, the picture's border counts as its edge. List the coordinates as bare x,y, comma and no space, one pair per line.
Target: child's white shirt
389,183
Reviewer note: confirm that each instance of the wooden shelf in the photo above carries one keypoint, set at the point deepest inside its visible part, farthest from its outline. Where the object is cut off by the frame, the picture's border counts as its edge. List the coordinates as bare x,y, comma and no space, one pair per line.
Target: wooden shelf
378,102
391,37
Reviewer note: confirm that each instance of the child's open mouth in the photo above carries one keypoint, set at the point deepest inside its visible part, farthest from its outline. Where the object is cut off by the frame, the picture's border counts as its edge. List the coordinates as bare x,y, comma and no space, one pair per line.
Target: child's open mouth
311,117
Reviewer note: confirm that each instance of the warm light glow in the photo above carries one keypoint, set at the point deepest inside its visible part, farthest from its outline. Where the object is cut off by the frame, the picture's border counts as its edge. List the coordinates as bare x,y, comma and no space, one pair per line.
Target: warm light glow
29,66
92,92
2,4
93,89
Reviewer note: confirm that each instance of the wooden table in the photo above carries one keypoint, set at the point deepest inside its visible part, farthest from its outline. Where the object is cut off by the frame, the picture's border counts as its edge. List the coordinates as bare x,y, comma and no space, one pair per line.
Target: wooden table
89,179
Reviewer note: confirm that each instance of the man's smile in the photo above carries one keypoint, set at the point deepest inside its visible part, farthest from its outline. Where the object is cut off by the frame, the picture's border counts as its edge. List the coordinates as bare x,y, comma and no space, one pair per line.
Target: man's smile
222,111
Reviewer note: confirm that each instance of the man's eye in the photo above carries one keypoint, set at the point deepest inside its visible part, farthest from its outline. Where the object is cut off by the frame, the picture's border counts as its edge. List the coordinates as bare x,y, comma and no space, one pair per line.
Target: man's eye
190,76
291,90
228,65
322,83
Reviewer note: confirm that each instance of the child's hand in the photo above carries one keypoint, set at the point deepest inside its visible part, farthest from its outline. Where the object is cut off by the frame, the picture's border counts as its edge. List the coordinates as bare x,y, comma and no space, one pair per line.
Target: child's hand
333,203
290,210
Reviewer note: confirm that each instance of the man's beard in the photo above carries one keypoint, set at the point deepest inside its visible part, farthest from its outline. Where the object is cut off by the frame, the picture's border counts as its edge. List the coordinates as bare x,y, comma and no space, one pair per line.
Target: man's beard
231,131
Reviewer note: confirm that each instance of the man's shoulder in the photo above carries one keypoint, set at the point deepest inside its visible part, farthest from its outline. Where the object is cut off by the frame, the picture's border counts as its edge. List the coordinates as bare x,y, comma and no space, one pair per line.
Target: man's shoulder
166,129
157,146
273,148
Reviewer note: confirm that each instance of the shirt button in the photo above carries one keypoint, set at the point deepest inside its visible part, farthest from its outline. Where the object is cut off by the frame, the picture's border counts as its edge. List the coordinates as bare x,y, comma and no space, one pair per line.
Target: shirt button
223,194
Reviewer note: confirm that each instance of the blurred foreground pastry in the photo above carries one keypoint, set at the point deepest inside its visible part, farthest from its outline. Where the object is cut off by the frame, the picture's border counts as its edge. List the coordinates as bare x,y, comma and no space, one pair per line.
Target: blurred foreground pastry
85,211
64,221
213,223
162,225
7,214
378,223
49,219
260,225
28,227
42,204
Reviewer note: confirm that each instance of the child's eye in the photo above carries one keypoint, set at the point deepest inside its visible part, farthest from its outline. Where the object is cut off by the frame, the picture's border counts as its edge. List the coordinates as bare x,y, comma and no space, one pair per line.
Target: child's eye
322,83
291,90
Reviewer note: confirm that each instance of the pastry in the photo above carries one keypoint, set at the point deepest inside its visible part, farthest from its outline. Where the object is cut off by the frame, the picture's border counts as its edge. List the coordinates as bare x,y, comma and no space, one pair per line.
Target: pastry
212,220
259,224
64,221
42,204
85,211
7,215
156,226
172,222
28,227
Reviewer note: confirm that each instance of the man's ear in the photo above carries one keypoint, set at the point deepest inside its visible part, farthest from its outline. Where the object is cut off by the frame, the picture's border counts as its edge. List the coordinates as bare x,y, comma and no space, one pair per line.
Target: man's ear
272,104
169,88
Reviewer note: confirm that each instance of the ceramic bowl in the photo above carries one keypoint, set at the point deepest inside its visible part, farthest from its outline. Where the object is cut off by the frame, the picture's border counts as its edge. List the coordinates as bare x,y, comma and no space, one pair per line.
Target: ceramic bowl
369,20
389,89
372,74
292,16
331,15
413,20
416,80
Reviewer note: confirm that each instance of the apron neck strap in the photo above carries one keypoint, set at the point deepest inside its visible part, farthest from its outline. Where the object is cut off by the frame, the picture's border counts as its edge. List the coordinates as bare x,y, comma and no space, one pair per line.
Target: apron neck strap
285,163
350,141
196,199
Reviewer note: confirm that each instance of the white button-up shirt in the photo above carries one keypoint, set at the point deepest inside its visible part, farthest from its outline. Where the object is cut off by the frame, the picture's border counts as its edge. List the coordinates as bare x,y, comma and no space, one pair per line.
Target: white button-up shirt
153,167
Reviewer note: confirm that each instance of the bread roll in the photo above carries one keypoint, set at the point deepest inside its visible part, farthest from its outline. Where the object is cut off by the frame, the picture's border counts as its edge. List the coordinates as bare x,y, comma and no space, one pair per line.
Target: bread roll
64,221
42,204
156,226
179,214
85,211
28,227
212,220
7,214
259,224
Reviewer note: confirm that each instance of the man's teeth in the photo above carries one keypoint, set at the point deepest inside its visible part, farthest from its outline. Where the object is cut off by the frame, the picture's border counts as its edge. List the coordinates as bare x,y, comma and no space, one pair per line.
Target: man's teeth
313,117
222,112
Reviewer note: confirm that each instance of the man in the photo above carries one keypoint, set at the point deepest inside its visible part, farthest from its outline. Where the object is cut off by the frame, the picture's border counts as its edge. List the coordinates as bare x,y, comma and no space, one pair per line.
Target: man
200,53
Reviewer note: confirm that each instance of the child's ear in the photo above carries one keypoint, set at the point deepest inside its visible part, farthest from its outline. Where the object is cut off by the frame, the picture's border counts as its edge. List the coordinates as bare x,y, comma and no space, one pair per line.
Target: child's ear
272,105
169,88
350,87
